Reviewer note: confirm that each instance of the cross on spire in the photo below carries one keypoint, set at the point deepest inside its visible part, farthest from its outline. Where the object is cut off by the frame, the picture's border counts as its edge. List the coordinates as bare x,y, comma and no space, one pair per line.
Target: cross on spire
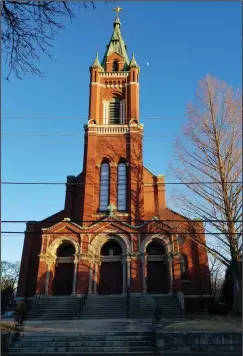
117,10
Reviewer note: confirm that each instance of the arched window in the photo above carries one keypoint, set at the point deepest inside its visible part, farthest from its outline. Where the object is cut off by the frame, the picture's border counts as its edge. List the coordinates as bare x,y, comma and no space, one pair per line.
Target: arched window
66,249
122,185
104,186
111,248
115,111
155,248
115,66
184,266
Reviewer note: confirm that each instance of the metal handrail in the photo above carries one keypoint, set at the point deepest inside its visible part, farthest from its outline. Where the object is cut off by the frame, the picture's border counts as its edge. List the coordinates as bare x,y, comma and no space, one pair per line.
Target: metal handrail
18,321
82,302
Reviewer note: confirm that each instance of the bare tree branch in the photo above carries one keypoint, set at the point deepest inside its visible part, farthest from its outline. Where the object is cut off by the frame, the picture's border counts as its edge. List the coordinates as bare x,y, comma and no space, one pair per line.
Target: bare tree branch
28,29
211,150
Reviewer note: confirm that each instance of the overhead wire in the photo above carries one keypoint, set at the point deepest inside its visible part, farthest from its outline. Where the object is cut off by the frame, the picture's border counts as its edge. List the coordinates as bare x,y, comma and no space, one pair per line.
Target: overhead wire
84,183
137,221
128,233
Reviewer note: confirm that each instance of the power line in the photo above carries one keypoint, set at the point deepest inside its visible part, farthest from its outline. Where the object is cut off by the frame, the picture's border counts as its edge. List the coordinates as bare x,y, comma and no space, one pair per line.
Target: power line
79,183
26,134
128,233
87,119
137,221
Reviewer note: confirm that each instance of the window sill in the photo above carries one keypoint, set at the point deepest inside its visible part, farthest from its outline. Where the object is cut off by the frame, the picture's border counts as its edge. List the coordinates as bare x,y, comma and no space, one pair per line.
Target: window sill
117,213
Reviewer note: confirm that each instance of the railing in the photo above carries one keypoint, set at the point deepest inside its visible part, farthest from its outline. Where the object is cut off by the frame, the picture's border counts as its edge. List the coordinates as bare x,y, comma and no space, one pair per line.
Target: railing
128,302
82,302
114,74
112,129
30,305
12,328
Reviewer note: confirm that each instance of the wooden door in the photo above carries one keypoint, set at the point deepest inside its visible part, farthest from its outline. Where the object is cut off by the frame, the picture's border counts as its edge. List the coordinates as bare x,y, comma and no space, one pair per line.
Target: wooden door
63,281
110,278
157,277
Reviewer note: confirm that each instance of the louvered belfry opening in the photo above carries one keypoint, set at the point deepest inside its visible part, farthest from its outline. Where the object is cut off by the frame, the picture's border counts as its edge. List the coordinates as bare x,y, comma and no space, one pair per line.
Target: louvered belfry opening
115,112
115,66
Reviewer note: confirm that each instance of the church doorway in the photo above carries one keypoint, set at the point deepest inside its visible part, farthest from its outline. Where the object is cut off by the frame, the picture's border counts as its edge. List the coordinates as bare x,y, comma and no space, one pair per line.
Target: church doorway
157,269
64,271
110,281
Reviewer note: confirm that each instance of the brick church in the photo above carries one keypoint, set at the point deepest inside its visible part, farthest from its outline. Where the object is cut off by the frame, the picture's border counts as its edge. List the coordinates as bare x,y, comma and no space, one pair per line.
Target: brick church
115,232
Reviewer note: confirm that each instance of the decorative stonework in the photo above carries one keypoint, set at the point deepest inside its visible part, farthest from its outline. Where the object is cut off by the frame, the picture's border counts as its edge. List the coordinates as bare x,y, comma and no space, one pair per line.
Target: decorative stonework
162,237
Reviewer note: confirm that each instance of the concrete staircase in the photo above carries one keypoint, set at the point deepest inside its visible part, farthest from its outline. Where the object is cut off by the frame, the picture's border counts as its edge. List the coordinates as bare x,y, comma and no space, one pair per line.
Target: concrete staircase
95,343
105,307
142,307
55,308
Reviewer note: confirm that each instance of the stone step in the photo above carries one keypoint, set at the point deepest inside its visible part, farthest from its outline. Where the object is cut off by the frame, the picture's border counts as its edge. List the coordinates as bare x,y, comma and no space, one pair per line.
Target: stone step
60,339
135,353
83,343
83,349
131,353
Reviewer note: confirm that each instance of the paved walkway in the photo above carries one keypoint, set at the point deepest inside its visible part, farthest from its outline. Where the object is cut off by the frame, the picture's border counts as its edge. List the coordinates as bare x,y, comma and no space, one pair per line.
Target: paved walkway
77,326
196,324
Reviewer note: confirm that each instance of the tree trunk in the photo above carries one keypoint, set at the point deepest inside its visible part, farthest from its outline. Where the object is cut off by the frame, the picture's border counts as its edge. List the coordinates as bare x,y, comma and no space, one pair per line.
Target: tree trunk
237,287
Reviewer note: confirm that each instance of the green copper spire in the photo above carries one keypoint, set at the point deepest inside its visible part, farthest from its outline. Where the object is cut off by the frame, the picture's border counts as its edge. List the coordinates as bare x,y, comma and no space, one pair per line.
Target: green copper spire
96,62
116,45
133,63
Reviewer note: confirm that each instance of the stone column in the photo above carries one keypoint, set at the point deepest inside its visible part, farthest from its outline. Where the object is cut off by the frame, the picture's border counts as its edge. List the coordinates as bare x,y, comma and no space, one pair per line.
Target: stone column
47,279
75,276
144,272
95,277
91,275
170,265
128,272
123,275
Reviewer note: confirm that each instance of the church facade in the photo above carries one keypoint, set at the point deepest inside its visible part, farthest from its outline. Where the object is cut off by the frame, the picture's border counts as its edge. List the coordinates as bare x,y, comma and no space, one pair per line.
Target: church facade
115,232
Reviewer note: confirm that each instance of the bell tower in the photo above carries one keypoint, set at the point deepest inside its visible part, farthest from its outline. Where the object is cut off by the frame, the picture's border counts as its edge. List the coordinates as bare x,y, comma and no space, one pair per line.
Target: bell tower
113,163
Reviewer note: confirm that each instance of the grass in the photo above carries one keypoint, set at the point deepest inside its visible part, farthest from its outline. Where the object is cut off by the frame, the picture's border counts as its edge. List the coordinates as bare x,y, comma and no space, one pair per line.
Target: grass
6,326
208,323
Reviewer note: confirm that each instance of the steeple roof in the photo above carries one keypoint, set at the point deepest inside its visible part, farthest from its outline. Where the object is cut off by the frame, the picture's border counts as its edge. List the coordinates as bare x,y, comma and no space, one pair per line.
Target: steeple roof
133,62
96,62
116,45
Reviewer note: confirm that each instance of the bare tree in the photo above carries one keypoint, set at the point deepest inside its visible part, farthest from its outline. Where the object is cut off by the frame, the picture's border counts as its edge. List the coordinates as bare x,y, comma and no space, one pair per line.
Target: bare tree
217,276
9,274
209,163
28,28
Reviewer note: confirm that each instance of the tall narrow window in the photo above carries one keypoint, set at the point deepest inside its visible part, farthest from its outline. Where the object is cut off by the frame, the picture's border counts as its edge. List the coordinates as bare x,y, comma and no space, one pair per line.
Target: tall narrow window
184,267
115,112
104,186
122,184
115,66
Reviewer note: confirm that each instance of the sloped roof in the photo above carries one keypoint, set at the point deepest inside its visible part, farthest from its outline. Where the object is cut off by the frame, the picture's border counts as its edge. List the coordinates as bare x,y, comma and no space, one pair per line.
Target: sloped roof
116,45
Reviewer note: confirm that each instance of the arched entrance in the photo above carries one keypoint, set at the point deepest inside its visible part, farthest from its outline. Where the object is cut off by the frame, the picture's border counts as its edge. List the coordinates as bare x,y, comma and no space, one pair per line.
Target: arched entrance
157,268
110,281
64,271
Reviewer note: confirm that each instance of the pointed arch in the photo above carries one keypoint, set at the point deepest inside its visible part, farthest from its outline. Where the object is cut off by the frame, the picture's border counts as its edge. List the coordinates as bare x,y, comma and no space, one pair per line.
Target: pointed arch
163,239
104,185
184,266
122,186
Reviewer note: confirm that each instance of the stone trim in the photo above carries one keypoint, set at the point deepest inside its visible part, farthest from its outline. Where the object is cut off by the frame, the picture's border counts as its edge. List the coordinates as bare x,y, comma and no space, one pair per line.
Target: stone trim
198,296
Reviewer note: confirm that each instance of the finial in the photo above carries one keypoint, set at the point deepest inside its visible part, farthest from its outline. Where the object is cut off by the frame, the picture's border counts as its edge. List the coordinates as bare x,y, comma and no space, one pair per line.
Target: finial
117,10
96,61
111,208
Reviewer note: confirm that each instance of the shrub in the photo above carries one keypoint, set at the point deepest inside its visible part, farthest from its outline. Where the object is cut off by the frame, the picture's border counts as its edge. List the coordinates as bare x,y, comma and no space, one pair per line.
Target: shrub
218,308
21,312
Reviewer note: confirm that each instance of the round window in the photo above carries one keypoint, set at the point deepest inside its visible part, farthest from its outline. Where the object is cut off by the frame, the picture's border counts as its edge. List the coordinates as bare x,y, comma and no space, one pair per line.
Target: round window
181,239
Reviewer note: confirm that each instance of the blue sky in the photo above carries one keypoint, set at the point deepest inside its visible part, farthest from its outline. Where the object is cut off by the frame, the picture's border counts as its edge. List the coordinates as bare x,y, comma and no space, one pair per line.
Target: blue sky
182,41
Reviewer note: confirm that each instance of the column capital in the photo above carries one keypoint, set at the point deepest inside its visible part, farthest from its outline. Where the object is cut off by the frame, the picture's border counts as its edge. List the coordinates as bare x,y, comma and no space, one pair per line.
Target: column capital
113,164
